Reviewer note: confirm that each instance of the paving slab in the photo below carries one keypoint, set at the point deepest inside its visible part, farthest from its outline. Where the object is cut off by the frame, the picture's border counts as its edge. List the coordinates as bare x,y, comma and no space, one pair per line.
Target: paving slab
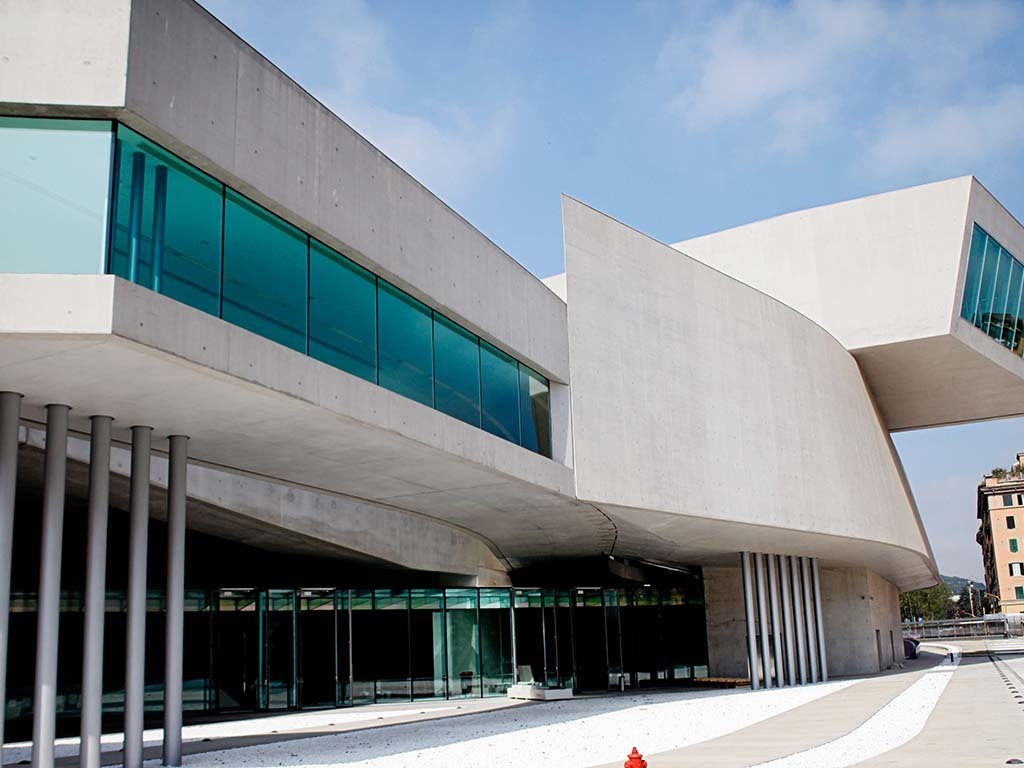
977,722
798,729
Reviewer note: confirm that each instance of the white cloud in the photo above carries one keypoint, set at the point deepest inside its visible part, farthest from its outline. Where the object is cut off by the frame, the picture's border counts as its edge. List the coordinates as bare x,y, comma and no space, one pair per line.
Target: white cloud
755,55
361,47
797,71
448,156
958,133
449,151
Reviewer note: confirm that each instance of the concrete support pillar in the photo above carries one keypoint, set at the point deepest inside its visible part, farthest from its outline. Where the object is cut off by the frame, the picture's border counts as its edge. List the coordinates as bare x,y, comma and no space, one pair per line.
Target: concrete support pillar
786,588
819,619
748,608
812,645
95,593
10,414
773,601
44,700
177,477
762,618
798,614
135,666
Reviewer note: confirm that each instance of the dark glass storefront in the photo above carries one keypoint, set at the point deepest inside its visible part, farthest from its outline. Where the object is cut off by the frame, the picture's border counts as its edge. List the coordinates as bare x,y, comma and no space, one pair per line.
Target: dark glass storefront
276,649
257,640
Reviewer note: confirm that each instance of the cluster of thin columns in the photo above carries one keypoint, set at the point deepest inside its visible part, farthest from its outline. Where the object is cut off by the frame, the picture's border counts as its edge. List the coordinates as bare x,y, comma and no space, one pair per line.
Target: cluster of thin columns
785,634
48,606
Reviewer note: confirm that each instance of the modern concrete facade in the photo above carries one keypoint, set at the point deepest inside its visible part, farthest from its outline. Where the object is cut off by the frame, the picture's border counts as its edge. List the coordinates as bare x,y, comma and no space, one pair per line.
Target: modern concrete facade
224,309
1000,510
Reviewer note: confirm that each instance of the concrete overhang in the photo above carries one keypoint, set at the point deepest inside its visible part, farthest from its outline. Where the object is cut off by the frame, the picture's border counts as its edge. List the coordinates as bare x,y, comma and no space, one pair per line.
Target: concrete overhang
170,70
884,275
709,418
105,346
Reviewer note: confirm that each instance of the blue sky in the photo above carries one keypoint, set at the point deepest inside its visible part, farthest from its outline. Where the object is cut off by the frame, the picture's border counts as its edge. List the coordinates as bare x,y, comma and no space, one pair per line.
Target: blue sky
680,118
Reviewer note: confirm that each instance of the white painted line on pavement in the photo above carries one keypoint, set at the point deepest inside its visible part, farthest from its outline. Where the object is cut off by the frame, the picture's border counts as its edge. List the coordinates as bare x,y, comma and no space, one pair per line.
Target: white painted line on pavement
893,725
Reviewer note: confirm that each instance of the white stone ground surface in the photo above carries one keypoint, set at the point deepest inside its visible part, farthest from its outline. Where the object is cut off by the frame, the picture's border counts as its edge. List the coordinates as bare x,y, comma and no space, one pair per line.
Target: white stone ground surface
578,733
15,752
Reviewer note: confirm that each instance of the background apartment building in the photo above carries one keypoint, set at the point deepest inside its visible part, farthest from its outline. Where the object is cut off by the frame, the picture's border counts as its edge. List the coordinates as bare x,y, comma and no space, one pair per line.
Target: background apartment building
1001,512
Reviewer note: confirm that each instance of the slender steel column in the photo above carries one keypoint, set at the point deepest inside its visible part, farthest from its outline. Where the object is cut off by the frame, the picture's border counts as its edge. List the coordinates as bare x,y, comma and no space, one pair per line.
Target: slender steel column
135,659
159,224
773,601
95,589
820,619
812,646
748,607
798,614
44,701
762,620
786,588
135,215
10,413
512,631
177,478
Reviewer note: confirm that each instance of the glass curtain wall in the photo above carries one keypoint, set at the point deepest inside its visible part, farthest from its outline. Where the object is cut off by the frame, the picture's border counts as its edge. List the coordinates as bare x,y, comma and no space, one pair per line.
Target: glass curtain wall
427,644
994,291
93,196
54,193
495,641
317,642
166,223
237,649
183,234
264,650
462,613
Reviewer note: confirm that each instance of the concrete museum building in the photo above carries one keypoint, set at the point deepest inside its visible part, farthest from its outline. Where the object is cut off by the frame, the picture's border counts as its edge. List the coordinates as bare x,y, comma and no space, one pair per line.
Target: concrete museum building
281,430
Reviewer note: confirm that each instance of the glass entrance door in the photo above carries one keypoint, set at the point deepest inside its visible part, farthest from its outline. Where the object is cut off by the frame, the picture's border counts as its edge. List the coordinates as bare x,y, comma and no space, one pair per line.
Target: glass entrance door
237,650
589,628
279,649
318,674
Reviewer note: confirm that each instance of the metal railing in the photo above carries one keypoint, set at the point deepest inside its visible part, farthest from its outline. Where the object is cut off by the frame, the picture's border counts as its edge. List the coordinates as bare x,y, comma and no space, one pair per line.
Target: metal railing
998,625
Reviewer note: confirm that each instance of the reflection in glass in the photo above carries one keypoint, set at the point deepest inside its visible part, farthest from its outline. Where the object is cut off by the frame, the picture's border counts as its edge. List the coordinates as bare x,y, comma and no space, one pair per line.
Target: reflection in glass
279,649
499,384
535,411
996,319
972,282
54,188
390,644
1011,336
531,636
495,641
342,313
427,643
167,224
343,649
364,674
994,291
463,642
404,332
990,263
457,371
265,280
180,232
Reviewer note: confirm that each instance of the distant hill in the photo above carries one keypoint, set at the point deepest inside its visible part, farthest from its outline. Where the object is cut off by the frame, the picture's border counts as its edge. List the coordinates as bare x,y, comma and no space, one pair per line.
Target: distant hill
957,583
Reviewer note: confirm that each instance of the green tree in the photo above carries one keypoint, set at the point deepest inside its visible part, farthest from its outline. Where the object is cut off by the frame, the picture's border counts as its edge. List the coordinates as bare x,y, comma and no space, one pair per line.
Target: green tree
930,604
